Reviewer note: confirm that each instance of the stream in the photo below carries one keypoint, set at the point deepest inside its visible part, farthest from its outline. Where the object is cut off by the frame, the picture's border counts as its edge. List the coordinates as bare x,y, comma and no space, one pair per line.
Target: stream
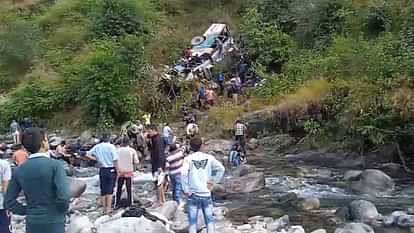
283,176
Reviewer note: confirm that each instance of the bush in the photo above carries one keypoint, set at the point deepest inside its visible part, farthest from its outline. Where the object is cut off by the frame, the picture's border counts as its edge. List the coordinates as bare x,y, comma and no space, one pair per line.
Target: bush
113,18
36,98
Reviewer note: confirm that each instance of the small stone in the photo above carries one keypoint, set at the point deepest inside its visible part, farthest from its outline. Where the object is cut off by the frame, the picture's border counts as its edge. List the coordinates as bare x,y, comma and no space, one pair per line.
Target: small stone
244,227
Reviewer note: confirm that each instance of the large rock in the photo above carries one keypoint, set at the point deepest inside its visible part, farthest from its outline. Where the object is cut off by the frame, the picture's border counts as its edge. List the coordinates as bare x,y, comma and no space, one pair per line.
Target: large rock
262,121
363,211
355,228
218,147
319,231
277,142
310,204
85,171
79,224
168,210
373,182
405,220
278,224
86,136
334,160
77,187
132,225
245,184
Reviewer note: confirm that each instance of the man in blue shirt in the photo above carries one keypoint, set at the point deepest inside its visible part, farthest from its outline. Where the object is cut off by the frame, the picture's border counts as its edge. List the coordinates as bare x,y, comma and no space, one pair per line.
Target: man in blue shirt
106,156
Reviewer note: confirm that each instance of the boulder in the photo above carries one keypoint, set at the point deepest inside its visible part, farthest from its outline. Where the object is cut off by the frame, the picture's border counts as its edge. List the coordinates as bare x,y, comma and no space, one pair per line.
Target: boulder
278,224
85,171
355,228
277,142
79,224
168,210
132,225
246,184
373,182
296,229
352,175
319,231
218,147
86,137
394,170
77,187
262,121
362,211
310,204
405,220
335,160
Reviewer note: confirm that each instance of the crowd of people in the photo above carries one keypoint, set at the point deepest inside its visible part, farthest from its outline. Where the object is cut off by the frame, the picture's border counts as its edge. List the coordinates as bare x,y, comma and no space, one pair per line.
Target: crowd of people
181,167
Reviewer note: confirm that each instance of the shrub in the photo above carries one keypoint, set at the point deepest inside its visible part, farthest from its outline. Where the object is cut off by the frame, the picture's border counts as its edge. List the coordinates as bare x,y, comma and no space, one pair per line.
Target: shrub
113,18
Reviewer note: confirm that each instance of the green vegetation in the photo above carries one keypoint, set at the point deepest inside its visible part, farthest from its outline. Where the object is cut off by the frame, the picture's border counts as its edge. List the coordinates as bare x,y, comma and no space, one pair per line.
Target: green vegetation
364,49
97,58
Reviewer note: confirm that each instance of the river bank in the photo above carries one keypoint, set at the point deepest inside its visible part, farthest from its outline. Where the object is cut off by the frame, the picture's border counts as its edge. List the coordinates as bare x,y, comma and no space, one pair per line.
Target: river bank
281,181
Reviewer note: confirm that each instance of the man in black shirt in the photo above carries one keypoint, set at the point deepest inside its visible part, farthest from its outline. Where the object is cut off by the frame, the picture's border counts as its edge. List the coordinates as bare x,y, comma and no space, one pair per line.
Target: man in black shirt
158,161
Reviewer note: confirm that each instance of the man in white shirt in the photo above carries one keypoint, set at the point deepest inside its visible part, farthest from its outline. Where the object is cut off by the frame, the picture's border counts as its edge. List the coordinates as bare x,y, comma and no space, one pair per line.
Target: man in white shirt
199,173
127,161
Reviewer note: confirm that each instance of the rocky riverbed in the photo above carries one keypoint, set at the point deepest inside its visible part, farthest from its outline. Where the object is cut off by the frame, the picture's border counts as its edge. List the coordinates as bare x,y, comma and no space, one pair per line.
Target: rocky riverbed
282,190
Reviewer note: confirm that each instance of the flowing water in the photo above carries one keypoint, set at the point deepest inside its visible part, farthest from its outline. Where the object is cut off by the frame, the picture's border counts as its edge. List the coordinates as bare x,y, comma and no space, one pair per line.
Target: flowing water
284,177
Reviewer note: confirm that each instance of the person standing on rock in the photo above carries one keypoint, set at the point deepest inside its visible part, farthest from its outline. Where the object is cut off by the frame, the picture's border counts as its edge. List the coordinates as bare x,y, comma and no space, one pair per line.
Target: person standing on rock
15,132
175,161
45,186
191,130
127,161
240,133
197,181
5,176
167,134
158,161
106,155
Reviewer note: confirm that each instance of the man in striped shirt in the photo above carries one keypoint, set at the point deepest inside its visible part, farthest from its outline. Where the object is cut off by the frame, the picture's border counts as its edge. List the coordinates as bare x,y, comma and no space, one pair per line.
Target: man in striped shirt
174,163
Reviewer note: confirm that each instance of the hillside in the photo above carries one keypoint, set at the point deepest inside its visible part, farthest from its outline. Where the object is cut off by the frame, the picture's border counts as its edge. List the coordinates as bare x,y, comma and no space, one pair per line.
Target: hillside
51,53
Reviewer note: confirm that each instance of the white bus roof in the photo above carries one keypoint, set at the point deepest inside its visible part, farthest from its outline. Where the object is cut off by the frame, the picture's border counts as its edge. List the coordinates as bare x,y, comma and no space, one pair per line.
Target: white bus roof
214,29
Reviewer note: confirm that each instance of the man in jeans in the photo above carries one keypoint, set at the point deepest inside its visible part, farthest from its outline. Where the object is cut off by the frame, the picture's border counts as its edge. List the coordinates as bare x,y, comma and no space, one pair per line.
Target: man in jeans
5,175
175,161
197,181
44,183
106,155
